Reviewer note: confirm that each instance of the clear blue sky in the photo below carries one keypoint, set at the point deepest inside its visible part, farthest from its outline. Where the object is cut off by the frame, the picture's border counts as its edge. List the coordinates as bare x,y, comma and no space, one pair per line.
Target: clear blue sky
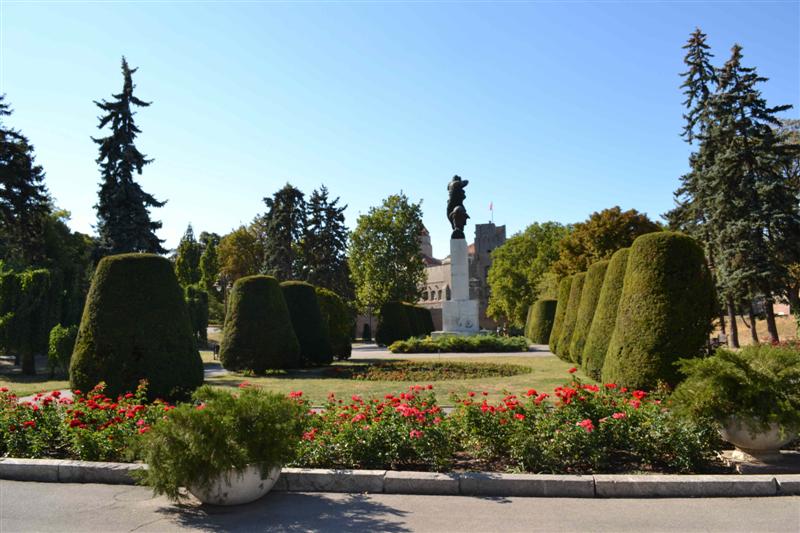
552,110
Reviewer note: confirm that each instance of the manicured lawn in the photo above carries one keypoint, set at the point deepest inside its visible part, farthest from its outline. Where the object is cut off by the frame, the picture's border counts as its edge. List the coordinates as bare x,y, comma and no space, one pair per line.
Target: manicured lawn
546,373
27,385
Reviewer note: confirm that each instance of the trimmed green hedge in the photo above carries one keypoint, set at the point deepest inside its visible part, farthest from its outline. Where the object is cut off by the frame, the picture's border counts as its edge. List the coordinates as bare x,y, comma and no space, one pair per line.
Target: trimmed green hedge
258,334
541,315
136,326
564,287
197,304
460,343
309,325
393,324
665,311
420,319
605,316
586,309
340,320
62,343
571,317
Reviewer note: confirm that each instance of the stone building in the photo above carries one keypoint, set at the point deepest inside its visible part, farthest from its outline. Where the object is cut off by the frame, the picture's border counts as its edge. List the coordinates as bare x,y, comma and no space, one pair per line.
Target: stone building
437,289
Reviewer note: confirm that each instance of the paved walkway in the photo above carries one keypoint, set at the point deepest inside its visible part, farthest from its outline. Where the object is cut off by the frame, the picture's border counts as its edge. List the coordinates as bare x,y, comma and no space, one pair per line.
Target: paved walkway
26,506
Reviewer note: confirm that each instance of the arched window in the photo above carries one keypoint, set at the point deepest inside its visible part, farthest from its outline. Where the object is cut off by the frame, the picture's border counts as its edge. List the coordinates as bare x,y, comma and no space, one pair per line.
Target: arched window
440,294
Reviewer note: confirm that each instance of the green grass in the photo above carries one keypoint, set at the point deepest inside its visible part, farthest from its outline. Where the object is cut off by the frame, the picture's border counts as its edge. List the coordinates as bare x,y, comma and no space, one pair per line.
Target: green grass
545,374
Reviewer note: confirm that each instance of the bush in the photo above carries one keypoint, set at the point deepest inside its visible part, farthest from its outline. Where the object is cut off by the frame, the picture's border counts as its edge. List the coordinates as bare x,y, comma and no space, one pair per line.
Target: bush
309,326
135,326
197,304
540,322
339,317
570,317
419,319
586,309
258,334
225,431
588,429
393,324
460,343
561,310
427,371
366,333
758,385
605,316
62,342
665,311
405,431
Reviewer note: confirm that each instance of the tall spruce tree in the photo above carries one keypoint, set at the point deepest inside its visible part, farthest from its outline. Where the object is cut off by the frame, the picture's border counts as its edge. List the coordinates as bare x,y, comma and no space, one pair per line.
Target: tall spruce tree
123,208
209,266
24,201
324,244
187,261
752,206
280,230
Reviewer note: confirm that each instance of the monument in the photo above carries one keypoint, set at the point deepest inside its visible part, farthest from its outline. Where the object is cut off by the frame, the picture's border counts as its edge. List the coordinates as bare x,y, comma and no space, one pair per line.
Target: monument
459,314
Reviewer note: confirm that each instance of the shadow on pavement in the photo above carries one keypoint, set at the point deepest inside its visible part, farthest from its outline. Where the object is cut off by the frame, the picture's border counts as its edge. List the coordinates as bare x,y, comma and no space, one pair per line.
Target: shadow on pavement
292,512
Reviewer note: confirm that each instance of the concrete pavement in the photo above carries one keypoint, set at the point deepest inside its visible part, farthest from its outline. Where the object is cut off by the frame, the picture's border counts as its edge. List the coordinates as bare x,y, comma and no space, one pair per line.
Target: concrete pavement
28,506
373,351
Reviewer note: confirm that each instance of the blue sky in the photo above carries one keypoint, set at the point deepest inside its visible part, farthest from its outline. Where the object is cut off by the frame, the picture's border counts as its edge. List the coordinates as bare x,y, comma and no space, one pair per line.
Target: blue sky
552,110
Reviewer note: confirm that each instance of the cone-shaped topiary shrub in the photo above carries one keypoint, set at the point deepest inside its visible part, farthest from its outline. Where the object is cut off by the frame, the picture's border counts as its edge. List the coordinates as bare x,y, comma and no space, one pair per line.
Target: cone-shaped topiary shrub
570,317
258,334
309,326
586,309
339,318
136,326
393,324
605,316
665,311
542,316
197,304
419,319
561,310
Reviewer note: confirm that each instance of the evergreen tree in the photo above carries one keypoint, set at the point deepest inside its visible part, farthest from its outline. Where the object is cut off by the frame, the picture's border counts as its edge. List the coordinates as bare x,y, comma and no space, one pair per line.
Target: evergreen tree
753,210
280,230
209,267
124,223
324,244
24,201
187,262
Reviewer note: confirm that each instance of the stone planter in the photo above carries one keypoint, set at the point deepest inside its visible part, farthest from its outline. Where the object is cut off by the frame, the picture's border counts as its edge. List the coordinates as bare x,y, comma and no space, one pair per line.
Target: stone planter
237,487
763,446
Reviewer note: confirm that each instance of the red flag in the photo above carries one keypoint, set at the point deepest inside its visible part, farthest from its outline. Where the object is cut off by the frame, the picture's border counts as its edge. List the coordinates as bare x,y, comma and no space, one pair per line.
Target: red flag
491,206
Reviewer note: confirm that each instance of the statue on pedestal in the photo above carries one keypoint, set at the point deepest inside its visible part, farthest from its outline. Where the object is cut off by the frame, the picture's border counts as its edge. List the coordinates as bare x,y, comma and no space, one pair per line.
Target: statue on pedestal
456,212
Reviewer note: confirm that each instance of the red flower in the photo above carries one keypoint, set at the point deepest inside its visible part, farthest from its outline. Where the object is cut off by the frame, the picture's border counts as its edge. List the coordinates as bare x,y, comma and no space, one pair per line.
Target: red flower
572,370
244,384
618,415
586,424
415,434
29,424
359,417
635,403
611,385
295,394
531,392
639,394
144,429
310,435
129,396
519,416
470,394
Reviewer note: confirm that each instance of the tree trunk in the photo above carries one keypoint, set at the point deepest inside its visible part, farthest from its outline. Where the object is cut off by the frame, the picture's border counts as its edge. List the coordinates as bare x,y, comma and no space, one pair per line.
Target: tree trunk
733,338
771,326
752,315
794,305
29,364
722,322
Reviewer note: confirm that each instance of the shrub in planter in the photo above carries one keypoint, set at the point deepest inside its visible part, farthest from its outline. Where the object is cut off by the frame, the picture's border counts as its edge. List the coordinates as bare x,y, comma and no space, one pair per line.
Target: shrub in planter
258,334
224,433
309,325
135,326
62,342
586,309
757,385
339,318
605,315
393,324
665,311
564,287
570,317
540,325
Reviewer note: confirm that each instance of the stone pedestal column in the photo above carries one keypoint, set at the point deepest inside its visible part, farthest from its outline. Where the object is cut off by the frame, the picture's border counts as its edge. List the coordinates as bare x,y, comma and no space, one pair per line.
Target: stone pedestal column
459,314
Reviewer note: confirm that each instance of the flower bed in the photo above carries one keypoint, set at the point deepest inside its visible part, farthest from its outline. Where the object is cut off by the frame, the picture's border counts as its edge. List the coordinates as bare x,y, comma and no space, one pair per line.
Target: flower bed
460,344
579,428
424,371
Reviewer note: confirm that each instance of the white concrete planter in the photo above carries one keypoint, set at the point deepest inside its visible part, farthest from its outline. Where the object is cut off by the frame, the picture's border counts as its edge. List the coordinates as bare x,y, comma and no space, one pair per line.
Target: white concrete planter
763,446
237,487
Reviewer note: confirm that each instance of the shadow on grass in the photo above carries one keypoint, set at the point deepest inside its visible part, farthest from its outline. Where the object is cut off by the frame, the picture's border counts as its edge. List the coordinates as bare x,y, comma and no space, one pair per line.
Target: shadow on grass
292,512
11,373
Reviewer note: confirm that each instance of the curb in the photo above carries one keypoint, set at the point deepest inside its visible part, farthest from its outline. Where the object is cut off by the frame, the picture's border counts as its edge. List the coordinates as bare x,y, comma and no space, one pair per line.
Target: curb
432,483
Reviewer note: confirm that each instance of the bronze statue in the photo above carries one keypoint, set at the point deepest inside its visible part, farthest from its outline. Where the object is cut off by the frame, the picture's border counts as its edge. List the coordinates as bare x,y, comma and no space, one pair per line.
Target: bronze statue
456,212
